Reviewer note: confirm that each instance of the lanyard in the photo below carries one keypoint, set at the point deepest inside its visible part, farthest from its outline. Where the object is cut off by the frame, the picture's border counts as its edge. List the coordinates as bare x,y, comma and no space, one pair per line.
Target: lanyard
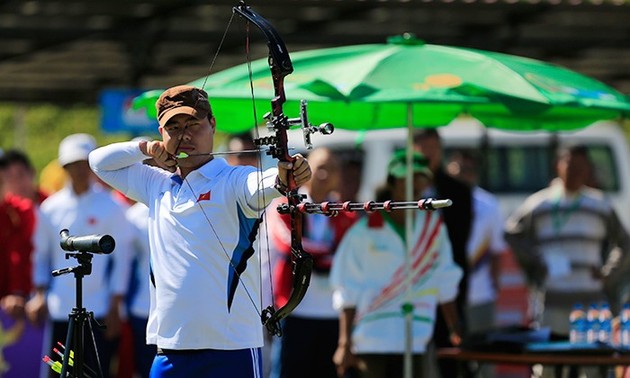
560,216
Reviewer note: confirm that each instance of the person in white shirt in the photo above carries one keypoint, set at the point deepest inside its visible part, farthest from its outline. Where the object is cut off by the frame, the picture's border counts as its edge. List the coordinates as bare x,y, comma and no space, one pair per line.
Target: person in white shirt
484,248
203,219
83,207
375,281
485,244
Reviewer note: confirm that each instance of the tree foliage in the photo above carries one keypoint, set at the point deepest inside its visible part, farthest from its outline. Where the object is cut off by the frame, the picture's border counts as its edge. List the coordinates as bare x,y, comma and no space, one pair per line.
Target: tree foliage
38,129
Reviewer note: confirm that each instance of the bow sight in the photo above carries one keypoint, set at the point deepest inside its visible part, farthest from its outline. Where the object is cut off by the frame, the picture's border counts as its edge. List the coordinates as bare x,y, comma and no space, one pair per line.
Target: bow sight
282,122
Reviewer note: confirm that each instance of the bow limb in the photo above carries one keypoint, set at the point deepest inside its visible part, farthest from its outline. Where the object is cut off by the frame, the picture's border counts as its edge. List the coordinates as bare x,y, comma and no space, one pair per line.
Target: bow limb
281,66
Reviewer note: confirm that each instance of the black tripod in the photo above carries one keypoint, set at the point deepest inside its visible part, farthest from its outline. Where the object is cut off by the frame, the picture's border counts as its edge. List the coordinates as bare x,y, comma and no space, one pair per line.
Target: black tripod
79,315
77,319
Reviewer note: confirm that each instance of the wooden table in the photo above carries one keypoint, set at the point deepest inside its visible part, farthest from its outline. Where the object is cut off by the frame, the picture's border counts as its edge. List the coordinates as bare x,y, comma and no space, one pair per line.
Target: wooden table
604,361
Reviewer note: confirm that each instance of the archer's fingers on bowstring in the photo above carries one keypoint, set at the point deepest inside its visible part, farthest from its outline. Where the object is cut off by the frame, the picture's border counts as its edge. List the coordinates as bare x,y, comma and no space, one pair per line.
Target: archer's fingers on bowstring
156,150
163,159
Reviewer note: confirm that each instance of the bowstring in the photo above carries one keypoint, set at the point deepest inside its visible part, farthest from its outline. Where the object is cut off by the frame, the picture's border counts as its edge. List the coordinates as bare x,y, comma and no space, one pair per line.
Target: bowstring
225,252
262,213
216,53
259,174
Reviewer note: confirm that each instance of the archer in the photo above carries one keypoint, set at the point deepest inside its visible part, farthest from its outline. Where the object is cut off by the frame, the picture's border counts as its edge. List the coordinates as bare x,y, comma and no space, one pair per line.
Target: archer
204,217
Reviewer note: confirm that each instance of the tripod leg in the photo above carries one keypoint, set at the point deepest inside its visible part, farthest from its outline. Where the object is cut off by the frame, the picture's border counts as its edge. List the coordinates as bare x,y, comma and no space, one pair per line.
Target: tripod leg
98,358
66,353
74,350
79,344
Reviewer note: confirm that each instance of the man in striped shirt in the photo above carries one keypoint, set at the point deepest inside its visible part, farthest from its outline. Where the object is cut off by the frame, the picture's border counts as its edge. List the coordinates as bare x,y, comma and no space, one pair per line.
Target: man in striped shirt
569,240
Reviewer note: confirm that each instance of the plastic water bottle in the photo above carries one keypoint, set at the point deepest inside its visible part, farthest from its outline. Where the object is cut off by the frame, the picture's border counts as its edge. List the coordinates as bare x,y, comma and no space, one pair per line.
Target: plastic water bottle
605,324
577,322
624,320
592,323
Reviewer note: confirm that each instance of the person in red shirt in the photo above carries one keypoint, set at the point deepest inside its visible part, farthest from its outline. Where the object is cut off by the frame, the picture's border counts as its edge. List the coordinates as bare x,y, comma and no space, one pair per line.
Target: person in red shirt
17,223
19,176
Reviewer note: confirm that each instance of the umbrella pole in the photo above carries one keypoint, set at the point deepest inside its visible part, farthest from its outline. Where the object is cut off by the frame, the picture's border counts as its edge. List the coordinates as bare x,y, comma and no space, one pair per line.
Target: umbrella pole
407,307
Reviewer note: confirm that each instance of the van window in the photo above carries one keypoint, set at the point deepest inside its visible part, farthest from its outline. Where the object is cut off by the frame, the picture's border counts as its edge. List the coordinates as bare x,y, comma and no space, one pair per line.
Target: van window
605,168
527,169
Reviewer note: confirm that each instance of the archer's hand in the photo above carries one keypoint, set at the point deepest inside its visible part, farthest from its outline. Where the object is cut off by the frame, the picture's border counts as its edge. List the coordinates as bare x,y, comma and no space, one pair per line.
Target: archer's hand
299,169
156,150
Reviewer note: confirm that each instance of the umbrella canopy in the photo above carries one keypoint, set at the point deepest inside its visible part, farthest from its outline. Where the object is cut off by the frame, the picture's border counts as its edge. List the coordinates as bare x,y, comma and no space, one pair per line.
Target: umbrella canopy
375,86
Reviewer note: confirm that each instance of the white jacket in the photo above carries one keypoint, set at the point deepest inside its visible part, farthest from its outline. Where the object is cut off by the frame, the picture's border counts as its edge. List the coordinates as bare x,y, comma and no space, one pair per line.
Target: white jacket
371,272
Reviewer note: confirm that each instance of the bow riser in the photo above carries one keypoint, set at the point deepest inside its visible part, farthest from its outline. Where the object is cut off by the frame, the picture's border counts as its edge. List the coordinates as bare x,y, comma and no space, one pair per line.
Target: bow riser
281,66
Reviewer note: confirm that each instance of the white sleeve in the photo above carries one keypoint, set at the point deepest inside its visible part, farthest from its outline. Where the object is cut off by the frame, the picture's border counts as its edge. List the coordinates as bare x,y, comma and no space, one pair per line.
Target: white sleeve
120,165
260,189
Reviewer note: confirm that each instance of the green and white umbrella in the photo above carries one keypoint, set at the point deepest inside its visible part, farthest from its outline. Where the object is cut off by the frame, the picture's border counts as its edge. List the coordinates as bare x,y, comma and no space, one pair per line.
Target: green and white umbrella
406,82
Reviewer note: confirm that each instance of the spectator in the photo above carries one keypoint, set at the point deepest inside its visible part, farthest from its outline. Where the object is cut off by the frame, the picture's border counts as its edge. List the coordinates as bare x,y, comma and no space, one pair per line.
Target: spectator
458,219
242,142
568,240
83,207
351,170
310,332
485,247
17,224
485,244
52,177
370,282
19,176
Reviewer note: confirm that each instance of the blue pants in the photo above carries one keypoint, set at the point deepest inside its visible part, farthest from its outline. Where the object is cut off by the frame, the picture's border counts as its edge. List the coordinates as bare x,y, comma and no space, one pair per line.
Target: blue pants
208,363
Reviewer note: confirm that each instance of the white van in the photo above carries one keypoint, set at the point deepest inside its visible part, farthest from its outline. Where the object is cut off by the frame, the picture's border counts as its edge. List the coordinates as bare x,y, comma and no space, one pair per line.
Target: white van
516,163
